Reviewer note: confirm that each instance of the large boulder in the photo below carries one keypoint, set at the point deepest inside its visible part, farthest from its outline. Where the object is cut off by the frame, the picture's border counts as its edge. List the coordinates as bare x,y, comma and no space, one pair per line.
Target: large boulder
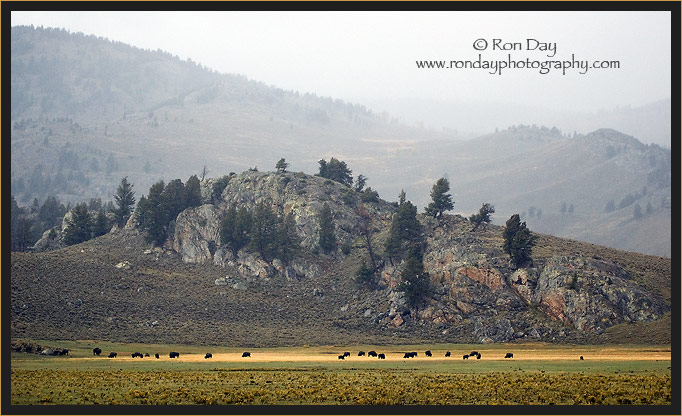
197,234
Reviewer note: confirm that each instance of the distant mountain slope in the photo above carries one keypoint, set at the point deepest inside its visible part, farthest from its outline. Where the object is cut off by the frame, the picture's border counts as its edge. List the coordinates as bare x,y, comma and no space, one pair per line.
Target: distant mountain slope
87,111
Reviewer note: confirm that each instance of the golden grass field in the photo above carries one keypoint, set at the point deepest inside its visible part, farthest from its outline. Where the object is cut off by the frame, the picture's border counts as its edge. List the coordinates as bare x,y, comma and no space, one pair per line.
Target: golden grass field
538,374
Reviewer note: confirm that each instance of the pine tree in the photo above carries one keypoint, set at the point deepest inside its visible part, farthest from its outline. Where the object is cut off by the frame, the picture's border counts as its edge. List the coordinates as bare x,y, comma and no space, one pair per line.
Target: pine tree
79,226
405,234
364,276
192,192
263,236
152,214
288,242
326,222
336,170
360,182
518,241
125,200
281,166
415,283
483,216
101,224
441,200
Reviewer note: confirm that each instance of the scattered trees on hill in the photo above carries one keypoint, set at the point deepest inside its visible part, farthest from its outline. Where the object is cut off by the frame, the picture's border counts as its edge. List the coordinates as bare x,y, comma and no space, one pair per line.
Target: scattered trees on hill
327,241
518,241
157,212
235,228
335,170
262,232
441,200
22,230
483,216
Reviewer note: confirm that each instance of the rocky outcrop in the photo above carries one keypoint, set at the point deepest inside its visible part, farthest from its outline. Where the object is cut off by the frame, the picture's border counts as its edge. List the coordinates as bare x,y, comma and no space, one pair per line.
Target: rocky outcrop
592,295
197,234
473,288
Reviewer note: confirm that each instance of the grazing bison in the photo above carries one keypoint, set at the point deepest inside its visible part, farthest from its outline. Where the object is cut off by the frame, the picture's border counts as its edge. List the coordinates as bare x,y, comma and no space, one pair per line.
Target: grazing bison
342,357
156,355
346,354
428,353
465,357
246,354
472,353
208,355
509,355
146,354
136,354
382,356
361,353
447,354
112,355
478,356
372,354
96,351
581,358
174,354
407,355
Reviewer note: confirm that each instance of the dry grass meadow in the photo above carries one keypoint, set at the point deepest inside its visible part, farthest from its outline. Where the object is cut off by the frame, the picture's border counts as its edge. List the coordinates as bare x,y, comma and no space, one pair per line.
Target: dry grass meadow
539,374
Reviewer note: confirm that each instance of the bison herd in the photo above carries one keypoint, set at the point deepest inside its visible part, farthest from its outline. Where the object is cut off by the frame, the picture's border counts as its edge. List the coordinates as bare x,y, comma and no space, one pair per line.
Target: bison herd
97,351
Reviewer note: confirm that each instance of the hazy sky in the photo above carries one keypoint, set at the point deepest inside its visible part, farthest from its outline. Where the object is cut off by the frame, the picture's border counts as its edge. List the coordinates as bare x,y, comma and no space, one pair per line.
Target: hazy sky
371,55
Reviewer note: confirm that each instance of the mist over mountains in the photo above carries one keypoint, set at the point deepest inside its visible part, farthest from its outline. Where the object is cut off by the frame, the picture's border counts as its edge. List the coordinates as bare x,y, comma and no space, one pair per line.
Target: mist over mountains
87,111
650,123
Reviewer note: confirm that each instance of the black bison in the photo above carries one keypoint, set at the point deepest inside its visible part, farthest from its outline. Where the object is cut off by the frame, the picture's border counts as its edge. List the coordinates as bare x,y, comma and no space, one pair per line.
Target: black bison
447,354
509,355
112,355
342,357
156,355
478,356
428,353
174,354
136,354
407,355
346,354
361,353
372,354
382,356
146,354
246,354
581,358
465,357
472,353
208,355
96,351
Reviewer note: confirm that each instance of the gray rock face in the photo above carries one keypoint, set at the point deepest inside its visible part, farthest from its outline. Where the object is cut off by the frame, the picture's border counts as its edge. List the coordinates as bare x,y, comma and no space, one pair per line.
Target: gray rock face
50,240
196,235
303,196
